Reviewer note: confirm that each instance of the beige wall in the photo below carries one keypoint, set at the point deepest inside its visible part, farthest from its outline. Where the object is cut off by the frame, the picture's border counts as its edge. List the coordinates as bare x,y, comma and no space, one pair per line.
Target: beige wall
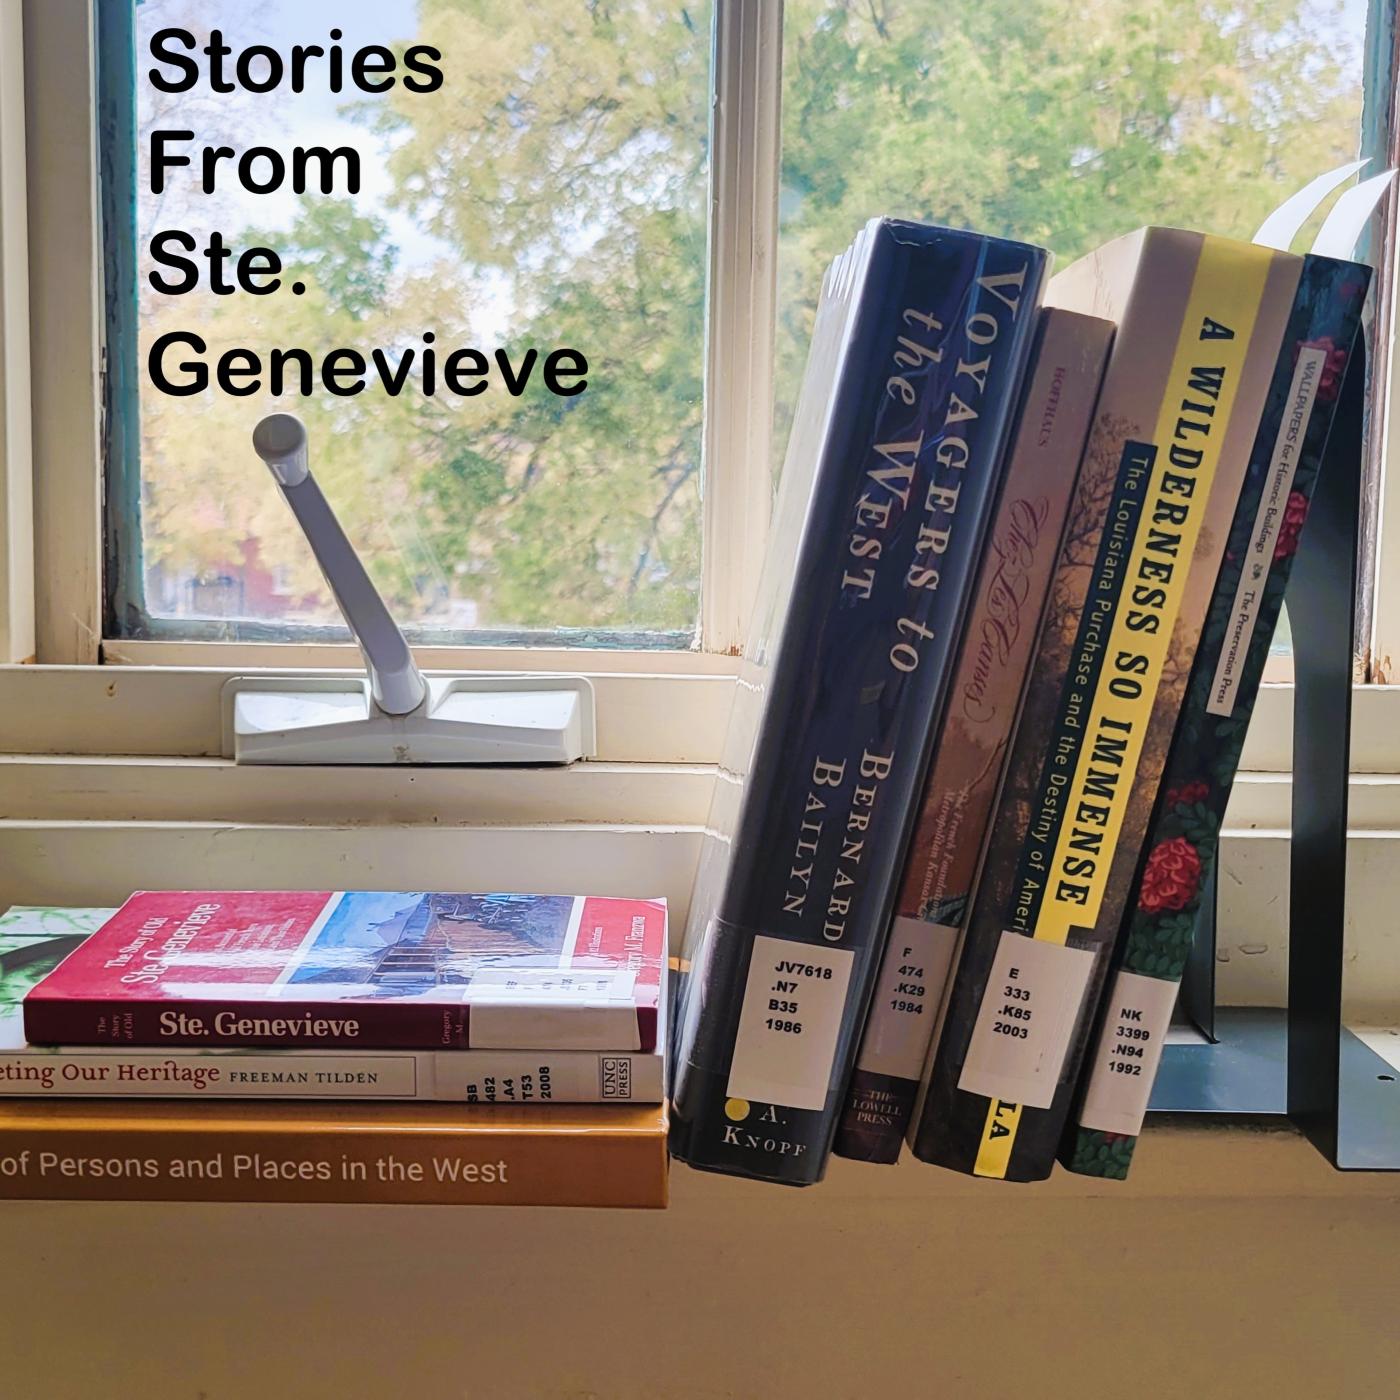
1235,1264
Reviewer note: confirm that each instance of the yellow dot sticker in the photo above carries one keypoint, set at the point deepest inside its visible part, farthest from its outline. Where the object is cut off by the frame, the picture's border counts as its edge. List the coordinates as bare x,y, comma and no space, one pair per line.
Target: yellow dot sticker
736,1109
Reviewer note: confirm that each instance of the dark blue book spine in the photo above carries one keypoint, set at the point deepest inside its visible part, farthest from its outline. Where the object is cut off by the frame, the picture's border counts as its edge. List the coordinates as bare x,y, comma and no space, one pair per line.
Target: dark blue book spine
785,942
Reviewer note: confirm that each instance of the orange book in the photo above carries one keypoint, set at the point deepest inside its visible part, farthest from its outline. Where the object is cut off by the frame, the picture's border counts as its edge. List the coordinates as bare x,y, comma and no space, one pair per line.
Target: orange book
389,1153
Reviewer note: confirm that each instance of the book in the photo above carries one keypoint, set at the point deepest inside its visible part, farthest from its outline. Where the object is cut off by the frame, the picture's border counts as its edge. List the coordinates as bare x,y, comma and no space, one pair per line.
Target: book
385,970
33,941
362,1153
892,470
1200,321
959,793
1182,842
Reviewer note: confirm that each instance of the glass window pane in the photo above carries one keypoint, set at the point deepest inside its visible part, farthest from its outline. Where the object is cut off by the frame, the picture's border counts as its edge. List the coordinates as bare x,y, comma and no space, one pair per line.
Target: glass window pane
550,194
1065,125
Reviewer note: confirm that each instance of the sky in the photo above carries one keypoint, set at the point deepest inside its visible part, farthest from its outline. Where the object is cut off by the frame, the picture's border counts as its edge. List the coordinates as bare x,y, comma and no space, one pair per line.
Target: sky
316,116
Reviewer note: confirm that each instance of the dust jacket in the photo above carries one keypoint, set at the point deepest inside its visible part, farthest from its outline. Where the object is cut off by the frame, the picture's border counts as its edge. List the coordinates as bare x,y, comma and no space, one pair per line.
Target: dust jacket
387,970
1183,839
921,339
959,794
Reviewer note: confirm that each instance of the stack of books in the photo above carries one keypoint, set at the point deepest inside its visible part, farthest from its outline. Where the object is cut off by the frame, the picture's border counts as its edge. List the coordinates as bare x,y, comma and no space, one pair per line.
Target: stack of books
458,1047
1031,545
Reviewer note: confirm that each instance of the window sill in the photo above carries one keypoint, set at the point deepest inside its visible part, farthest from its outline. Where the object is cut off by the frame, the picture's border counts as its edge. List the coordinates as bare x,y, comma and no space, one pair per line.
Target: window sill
653,707
87,829
1233,1261
111,779
98,862
643,715
342,656
164,789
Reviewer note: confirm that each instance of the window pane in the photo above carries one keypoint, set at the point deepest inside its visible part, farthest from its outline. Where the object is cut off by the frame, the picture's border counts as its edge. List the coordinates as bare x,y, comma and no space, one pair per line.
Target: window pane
1063,124
551,194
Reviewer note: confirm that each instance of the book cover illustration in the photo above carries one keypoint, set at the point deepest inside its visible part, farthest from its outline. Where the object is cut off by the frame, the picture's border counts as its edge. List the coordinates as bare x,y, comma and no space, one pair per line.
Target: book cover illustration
1201,320
959,794
33,941
1183,839
414,969
916,361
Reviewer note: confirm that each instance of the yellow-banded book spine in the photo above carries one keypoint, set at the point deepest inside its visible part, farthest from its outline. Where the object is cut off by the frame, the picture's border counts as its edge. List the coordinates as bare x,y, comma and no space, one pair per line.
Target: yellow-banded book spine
1131,587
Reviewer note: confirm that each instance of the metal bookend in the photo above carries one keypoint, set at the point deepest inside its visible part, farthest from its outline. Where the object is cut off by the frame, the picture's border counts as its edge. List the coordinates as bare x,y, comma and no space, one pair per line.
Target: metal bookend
1302,1061
393,714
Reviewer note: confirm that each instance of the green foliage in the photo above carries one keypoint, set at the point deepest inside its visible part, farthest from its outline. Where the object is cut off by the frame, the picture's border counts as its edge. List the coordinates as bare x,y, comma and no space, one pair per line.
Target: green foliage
346,253
13,986
571,148
1060,123
1198,824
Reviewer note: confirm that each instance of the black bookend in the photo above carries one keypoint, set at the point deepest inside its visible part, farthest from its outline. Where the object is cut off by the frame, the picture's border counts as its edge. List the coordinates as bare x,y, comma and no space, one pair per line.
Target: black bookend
1195,1003
1301,1061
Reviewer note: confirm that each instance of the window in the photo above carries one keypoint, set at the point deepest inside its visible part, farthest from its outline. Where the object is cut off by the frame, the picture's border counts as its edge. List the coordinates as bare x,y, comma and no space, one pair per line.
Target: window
553,190
550,194
584,220
1059,124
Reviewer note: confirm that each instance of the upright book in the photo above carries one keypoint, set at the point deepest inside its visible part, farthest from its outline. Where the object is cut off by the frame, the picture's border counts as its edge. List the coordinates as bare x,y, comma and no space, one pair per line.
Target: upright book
34,941
1200,323
1183,840
892,472
959,794
407,969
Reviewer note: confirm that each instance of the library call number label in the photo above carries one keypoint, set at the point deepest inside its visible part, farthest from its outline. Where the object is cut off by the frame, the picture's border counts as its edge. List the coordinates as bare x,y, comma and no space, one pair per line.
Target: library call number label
1028,1013
913,976
789,1023
1127,1053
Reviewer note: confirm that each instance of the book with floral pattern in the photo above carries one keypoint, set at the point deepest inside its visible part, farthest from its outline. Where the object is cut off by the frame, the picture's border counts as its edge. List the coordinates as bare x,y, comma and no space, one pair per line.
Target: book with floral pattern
1183,839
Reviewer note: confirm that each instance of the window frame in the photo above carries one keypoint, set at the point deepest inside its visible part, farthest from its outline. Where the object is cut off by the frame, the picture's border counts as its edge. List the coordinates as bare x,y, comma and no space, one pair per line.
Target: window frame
16,481
1381,528
60,139
60,619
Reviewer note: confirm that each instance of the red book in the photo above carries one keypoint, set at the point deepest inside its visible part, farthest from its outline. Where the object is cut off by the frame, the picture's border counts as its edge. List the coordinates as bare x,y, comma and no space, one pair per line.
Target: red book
404,970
